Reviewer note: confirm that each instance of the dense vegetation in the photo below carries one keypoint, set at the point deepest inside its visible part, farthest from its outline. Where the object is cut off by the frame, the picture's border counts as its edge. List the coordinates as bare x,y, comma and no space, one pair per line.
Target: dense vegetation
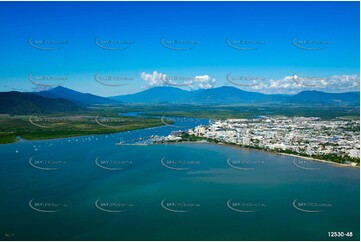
78,121
59,126
245,111
26,103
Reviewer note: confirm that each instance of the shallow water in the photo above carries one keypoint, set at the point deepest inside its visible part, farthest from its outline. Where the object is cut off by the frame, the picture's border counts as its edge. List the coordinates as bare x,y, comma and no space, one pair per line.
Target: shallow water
88,188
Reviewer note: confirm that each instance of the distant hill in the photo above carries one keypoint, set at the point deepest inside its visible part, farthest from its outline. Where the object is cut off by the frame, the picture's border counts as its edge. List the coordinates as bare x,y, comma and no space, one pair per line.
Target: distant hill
232,95
215,95
74,96
323,97
46,102
228,94
26,103
155,95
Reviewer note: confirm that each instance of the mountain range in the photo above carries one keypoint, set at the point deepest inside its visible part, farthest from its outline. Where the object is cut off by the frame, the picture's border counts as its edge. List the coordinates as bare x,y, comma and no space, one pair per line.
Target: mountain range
220,95
232,95
61,99
83,99
323,97
27,103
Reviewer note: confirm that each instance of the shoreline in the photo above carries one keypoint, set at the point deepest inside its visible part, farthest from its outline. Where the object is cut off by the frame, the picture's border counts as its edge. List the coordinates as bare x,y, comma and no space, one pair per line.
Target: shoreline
19,138
268,152
319,160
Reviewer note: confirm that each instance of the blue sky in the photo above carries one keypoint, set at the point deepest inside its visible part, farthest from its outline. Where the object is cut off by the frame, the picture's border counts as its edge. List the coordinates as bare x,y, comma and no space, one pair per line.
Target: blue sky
271,43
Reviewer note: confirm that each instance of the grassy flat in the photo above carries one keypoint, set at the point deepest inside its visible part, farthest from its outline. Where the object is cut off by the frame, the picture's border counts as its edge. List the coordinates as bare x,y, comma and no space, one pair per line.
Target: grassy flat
62,126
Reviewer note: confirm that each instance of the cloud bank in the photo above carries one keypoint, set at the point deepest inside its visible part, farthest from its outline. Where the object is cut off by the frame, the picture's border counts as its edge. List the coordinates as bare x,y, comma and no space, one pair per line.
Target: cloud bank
160,79
287,85
297,83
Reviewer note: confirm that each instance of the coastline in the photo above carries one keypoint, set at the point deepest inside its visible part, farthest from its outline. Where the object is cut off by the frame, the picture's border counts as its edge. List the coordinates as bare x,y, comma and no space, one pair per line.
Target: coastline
269,152
77,125
319,160
20,138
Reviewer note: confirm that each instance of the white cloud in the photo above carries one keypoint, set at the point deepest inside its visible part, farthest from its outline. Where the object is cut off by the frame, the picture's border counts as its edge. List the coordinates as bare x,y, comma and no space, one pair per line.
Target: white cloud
297,83
204,82
287,85
161,79
152,80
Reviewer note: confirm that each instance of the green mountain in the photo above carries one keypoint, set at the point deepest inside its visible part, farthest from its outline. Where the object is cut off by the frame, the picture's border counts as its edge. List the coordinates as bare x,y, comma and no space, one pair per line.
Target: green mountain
83,99
26,103
232,95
